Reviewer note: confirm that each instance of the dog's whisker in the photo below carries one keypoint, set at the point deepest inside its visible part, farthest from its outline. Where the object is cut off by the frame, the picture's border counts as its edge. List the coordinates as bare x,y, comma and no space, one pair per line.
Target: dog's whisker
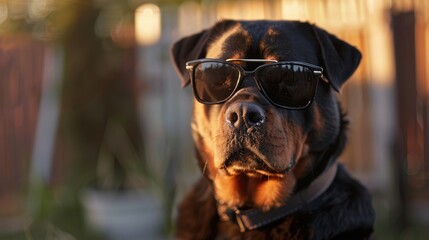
205,168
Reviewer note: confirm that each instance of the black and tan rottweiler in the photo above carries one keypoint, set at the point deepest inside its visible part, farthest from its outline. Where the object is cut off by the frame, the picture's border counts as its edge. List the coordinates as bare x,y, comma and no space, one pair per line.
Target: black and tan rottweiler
268,128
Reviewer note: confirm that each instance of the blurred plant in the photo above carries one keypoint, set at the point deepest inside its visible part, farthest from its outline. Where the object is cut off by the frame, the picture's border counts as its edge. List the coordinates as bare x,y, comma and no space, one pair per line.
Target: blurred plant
99,132
99,83
118,166
48,20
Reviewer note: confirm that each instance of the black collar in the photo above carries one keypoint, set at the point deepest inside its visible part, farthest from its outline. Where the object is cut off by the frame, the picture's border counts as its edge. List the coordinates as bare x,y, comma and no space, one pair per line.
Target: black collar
250,219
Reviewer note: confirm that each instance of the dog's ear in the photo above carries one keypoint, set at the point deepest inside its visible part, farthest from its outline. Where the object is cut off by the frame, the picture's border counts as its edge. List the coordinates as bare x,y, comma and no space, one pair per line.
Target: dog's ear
186,49
194,47
340,59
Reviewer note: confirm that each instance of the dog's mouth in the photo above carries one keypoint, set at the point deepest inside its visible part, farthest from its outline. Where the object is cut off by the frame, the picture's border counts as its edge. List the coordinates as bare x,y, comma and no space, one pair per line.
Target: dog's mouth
245,161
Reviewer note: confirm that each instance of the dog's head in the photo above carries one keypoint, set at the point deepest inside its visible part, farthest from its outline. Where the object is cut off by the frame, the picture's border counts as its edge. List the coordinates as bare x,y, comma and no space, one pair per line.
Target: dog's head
253,147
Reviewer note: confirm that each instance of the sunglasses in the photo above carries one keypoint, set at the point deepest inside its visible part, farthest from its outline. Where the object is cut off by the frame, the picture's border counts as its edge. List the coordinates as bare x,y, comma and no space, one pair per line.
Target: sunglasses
286,84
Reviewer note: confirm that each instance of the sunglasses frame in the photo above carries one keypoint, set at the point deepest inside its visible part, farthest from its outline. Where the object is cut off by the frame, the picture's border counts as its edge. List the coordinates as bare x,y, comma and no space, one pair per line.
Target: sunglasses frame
317,71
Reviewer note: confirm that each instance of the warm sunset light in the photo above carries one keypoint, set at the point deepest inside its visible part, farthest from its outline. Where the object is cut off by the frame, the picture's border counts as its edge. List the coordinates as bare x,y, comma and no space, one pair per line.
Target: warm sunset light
148,24
3,12
116,124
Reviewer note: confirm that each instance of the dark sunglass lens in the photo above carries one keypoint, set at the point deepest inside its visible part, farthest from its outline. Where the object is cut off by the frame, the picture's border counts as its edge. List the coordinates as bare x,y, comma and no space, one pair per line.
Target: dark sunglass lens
215,81
288,85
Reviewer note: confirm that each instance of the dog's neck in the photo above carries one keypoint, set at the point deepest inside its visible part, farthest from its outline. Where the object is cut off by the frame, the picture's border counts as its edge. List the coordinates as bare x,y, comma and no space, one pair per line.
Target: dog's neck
253,218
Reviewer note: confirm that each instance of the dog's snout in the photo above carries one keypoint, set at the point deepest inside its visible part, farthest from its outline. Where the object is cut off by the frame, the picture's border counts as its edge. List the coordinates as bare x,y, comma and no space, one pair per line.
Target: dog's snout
246,115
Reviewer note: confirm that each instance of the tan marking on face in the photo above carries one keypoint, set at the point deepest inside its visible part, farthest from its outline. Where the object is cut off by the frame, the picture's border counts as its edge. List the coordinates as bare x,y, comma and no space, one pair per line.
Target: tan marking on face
272,36
236,56
208,168
272,32
272,58
261,192
215,49
230,190
273,192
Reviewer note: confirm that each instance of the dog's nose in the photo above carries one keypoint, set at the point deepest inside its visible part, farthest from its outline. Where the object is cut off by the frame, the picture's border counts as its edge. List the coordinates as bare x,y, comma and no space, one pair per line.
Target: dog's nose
244,114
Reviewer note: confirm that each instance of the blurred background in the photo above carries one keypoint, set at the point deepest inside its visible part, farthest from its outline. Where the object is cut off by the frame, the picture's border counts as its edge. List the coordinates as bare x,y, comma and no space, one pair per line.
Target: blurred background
94,126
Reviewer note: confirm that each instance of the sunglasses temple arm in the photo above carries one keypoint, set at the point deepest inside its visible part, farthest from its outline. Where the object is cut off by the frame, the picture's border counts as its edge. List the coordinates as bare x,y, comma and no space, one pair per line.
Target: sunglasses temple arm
324,78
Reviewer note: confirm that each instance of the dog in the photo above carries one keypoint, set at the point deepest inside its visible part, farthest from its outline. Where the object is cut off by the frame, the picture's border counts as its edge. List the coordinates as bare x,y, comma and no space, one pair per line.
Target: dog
268,128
